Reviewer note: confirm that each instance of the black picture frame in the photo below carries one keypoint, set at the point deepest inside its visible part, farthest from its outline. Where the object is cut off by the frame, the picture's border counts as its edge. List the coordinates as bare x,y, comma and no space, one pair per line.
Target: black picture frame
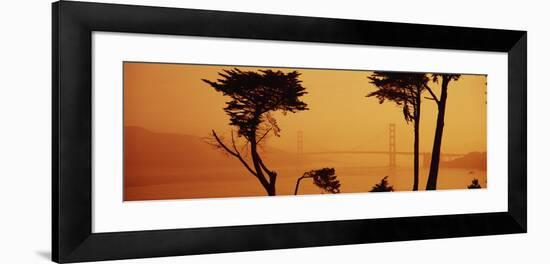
73,24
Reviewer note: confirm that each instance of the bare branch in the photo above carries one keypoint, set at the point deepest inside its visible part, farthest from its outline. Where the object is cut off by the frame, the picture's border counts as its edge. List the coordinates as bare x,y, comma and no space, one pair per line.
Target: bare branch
434,97
263,136
244,149
221,144
233,143
236,154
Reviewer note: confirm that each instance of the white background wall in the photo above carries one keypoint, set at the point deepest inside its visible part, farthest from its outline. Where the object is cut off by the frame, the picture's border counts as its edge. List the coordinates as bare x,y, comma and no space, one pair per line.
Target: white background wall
25,96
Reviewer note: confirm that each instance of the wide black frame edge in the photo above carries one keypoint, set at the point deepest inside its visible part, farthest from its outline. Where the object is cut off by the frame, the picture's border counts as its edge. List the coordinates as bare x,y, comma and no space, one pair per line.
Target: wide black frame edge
56,239
71,181
55,135
165,243
517,131
502,39
519,32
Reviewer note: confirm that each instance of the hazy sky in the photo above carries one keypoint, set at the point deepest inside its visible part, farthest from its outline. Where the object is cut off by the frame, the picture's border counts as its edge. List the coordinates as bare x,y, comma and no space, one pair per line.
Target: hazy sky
172,98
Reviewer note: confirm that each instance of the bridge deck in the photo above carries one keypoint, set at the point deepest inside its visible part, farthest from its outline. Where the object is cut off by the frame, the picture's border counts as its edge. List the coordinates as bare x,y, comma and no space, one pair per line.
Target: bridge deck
378,152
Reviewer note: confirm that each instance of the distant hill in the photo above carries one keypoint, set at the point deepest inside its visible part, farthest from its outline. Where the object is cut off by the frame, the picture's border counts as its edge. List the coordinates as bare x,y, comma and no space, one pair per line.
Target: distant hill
472,160
144,148
155,158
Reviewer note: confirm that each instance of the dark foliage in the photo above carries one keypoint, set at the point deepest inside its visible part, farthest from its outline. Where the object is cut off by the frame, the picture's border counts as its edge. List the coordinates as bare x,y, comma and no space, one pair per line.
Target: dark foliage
405,90
383,186
402,88
441,102
324,178
254,96
474,185
444,77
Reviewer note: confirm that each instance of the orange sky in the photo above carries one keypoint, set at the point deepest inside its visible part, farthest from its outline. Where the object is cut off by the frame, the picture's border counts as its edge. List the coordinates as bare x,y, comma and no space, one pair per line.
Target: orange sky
171,98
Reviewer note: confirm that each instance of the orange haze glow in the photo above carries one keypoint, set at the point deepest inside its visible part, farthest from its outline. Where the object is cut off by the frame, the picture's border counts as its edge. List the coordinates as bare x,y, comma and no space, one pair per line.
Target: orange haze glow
169,114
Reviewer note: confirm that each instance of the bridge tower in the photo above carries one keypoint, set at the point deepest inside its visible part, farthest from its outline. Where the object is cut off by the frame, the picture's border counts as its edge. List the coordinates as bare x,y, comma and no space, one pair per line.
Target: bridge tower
299,150
392,148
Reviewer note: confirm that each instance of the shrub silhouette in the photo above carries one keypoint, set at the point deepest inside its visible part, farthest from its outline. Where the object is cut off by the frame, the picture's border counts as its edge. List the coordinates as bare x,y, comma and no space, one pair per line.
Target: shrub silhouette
475,184
383,186
324,178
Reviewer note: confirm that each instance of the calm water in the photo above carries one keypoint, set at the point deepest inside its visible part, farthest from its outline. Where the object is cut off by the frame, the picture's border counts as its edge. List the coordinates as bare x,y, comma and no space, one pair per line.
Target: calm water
236,182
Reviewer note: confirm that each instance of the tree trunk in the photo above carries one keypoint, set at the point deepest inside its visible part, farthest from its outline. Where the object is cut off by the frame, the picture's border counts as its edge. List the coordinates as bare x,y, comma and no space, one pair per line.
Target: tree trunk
417,139
298,185
268,186
416,148
271,191
438,137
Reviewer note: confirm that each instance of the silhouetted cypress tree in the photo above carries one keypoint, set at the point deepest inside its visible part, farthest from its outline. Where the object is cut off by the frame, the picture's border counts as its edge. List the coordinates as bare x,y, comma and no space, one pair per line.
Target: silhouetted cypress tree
254,95
405,90
441,105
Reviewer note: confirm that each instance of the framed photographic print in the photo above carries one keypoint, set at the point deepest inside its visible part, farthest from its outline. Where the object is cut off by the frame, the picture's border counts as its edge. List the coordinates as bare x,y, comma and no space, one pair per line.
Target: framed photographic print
180,131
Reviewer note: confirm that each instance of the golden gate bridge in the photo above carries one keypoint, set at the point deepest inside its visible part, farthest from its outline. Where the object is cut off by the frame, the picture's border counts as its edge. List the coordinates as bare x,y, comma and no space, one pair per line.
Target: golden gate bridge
391,152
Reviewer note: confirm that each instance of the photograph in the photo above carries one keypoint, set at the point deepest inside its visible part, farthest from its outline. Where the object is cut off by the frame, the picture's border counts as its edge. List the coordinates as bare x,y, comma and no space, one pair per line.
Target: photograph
221,131
271,132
